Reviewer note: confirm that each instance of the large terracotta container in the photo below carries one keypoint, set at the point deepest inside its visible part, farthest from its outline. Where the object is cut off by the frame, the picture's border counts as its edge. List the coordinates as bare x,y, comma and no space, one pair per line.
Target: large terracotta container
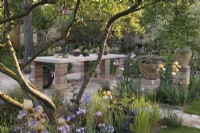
148,66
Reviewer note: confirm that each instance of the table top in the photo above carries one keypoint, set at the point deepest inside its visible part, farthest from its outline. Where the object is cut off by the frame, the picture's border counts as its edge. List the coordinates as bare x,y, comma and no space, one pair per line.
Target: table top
71,58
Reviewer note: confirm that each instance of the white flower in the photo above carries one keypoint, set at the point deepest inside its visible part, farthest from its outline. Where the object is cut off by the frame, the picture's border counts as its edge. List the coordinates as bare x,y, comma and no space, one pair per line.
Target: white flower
61,120
132,55
173,73
28,104
105,97
121,68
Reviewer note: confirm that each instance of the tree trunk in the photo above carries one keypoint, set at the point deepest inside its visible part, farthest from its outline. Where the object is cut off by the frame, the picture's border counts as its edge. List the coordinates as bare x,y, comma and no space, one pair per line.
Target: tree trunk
41,40
15,38
28,33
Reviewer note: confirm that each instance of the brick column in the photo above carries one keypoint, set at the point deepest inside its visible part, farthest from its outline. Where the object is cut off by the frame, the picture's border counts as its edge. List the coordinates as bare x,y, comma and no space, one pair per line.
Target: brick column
148,86
182,77
36,76
60,76
119,73
105,68
86,67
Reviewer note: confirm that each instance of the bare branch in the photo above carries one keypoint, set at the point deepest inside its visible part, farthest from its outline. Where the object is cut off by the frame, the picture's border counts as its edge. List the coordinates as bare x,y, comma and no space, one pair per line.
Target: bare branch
51,43
105,34
12,74
25,85
11,101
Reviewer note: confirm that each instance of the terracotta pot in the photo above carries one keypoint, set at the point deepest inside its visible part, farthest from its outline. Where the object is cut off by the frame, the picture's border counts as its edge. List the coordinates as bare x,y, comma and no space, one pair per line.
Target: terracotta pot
183,59
85,54
149,71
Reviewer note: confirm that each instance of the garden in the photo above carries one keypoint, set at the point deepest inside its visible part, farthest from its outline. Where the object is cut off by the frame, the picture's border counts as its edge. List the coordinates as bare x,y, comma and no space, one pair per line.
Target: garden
150,48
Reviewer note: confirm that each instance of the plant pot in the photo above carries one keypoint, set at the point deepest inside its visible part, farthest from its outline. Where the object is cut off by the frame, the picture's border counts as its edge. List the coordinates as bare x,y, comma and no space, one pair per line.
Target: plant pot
76,53
85,54
105,52
148,65
48,78
56,55
149,71
183,59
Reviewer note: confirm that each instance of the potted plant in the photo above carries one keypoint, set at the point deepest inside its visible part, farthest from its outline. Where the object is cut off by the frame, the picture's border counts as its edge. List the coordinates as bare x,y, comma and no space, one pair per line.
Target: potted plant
106,51
76,52
65,52
86,53
148,65
183,55
57,51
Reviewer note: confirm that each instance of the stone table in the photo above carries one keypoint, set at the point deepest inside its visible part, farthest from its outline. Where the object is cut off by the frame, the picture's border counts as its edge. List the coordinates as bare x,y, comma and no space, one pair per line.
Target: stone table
61,67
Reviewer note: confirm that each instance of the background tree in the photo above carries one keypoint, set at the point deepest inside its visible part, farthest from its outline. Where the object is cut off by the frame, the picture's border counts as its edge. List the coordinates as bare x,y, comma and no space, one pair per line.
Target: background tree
134,6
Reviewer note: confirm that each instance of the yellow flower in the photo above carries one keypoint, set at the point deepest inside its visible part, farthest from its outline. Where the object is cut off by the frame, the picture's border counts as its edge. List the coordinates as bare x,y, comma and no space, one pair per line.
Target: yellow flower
107,93
161,66
28,104
176,64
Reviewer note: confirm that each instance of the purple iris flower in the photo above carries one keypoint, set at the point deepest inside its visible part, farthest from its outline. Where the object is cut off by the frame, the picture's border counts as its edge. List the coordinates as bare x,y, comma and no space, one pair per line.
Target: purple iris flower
36,103
32,122
69,118
101,125
64,129
80,130
86,99
110,129
80,111
99,113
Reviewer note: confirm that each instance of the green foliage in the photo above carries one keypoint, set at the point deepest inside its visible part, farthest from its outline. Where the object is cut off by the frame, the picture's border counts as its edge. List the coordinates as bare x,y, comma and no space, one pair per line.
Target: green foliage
183,50
131,68
141,124
105,86
193,107
173,24
176,96
147,116
57,98
6,124
180,129
127,87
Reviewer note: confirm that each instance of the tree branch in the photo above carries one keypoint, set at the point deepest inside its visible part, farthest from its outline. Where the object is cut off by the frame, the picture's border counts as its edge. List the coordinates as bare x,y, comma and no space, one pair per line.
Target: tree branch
91,73
26,12
12,74
51,43
11,101
103,44
25,85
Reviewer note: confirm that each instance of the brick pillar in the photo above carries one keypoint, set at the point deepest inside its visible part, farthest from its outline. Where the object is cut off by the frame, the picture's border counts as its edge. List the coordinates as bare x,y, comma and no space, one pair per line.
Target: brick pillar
36,76
119,73
182,77
148,86
105,68
60,76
